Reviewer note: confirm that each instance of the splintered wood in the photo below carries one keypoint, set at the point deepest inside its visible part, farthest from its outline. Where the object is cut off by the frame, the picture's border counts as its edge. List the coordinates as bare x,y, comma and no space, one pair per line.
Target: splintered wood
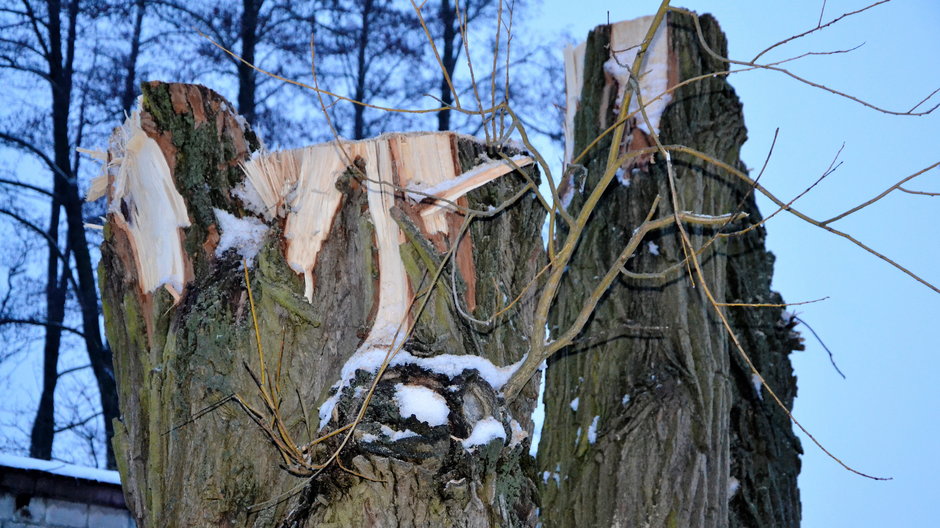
419,172
421,167
145,204
299,186
656,76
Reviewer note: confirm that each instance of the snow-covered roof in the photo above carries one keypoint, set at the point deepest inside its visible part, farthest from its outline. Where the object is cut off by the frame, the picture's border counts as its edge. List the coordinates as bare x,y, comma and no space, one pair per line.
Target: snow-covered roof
60,468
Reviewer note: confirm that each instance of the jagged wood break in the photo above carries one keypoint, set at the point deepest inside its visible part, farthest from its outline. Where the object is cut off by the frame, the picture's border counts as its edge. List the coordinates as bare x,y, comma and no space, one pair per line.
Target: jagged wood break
655,419
340,239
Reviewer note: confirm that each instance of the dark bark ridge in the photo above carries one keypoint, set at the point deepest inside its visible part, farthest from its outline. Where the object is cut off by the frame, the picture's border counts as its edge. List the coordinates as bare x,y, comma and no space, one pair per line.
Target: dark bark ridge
176,358
655,418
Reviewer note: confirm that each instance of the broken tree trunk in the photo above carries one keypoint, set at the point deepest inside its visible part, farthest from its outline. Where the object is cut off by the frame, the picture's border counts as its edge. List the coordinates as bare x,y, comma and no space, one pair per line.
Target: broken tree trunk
346,245
652,417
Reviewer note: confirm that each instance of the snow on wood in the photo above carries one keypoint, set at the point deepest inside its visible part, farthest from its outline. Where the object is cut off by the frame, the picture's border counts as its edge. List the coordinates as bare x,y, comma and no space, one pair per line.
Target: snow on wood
395,435
758,385
592,430
144,190
245,235
733,485
518,433
422,403
450,365
484,432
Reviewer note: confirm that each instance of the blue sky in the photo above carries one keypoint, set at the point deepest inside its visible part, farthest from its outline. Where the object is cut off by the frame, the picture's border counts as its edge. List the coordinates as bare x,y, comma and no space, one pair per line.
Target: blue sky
884,419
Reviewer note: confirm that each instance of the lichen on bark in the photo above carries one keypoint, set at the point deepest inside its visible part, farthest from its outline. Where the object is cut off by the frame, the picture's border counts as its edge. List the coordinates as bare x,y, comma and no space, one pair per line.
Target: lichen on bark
185,461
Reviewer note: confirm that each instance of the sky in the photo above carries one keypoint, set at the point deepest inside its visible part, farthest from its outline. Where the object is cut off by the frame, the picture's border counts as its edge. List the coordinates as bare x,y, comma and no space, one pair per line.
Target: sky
881,325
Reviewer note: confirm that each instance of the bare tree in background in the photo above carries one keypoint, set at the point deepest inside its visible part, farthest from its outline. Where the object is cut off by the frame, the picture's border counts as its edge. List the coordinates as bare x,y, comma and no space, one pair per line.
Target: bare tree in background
368,50
447,26
274,33
536,73
43,44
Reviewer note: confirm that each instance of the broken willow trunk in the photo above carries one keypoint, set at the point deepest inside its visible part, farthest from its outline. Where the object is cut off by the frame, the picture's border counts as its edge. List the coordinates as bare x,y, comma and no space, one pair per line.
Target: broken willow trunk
236,402
344,255
653,418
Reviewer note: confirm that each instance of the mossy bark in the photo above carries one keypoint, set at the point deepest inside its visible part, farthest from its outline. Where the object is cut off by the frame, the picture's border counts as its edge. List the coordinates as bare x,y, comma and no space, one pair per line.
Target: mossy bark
666,417
182,466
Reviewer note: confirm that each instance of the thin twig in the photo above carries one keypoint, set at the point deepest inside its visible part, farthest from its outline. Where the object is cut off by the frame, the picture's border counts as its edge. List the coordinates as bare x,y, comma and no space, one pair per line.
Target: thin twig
831,357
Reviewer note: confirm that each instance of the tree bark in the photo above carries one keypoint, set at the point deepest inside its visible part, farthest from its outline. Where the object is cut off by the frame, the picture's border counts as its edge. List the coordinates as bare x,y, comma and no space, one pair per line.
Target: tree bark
185,462
652,417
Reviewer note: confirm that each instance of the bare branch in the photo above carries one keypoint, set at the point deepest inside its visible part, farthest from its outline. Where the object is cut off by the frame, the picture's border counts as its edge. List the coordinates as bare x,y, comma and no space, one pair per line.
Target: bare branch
885,193
39,322
52,243
79,423
16,183
718,56
818,27
26,145
798,214
922,193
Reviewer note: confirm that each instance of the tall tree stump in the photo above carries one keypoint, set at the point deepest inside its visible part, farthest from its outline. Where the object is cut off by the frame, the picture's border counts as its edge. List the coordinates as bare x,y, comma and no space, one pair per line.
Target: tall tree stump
653,418
342,250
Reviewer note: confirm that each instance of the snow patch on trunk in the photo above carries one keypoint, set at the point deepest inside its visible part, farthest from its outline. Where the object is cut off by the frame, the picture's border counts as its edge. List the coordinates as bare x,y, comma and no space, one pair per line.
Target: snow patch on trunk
450,365
245,235
484,432
518,433
592,430
422,403
758,386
